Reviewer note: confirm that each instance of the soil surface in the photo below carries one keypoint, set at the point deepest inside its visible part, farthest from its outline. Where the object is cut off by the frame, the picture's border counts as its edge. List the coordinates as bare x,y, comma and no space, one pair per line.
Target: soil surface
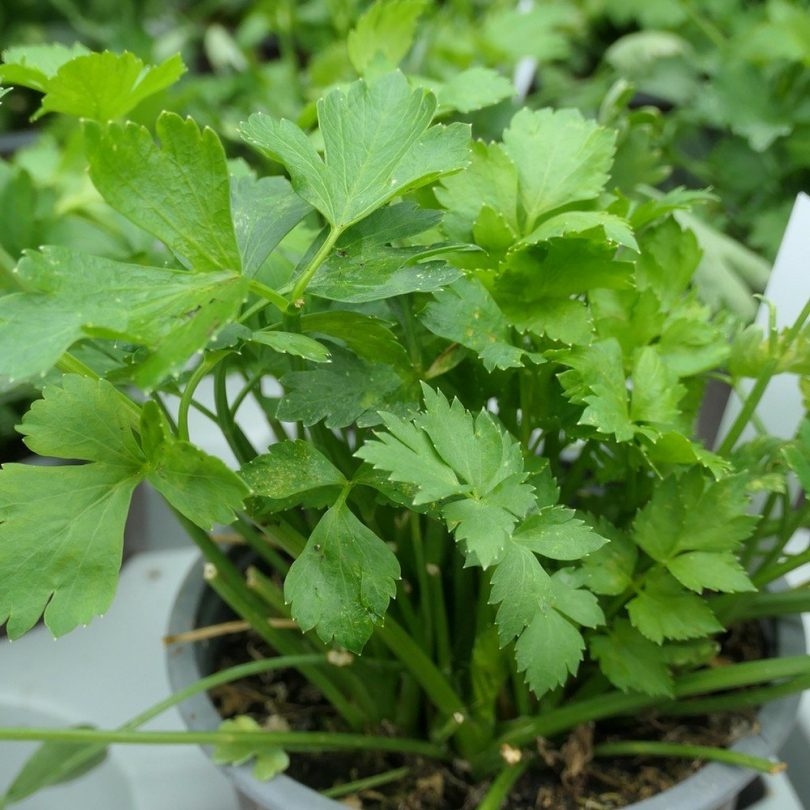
566,776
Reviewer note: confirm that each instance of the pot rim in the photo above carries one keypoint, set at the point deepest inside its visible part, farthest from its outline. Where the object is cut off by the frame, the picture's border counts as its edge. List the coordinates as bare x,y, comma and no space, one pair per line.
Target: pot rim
708,788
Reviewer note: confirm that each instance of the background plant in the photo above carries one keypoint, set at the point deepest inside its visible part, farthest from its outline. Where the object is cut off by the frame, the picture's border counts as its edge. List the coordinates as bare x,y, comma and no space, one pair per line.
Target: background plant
489,357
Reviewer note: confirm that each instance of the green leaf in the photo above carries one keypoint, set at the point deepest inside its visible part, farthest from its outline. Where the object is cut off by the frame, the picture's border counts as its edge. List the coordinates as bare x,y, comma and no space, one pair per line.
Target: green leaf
342,392
383,35
54,763
293,343
578,604
289,469
797,455
631,662
663,609
610,228
178,191
473,89
549,650
35,65
378,144
73,579
445,451
343,580
466,313
106,85
69,296
610,569
84,420
715,571
522,589
368,337
556,533
199,486
264,212
491,180
365,267
270,760
692,513
560,157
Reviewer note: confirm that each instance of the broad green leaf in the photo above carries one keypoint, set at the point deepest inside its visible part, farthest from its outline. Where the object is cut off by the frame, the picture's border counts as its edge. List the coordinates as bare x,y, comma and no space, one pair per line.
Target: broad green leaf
473,89
610,227
106,85
556,533
466,313
578,604
288,469
270,760
264,212
383,35
85,420
368,337
664,610
549,650
292,343
490,180
341,392
669,258
535,285
445,451
597,380
35,65
692,513
378,144
199,486
715,571
364,266
610,569
69,296
631,662
522,590
343,580
178,191
61,539
561,158
53,763
407,454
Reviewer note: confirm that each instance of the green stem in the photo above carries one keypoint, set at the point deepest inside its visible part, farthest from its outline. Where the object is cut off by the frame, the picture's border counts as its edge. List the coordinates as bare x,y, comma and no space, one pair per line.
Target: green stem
640,748
316,261
378,780
418,547
205,365
237,441
767,604
263,291
502,786
761,384
68,364
780,569
611,704
291,740
737,701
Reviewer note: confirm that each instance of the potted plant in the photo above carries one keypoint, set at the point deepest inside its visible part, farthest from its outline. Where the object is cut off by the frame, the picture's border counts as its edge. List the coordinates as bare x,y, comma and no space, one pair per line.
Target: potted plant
485,525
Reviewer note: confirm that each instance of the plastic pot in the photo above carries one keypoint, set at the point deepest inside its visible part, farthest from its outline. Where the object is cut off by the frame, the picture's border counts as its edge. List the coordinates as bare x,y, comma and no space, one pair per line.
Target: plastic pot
713,787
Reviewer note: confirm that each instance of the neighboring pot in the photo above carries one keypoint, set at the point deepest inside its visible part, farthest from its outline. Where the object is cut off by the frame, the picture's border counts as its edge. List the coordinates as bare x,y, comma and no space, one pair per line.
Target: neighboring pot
713,787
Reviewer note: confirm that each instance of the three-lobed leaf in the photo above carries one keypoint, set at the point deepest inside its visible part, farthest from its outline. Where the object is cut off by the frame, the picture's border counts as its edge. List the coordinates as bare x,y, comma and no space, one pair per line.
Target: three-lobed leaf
379,143
341,583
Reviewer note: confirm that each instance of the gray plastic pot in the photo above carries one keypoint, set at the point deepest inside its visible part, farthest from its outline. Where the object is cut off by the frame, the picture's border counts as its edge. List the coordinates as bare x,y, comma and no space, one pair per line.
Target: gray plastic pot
713,787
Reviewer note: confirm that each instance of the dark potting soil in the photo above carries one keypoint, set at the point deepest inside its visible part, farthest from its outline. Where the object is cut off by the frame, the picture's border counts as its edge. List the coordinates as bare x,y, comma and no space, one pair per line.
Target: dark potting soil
567,777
